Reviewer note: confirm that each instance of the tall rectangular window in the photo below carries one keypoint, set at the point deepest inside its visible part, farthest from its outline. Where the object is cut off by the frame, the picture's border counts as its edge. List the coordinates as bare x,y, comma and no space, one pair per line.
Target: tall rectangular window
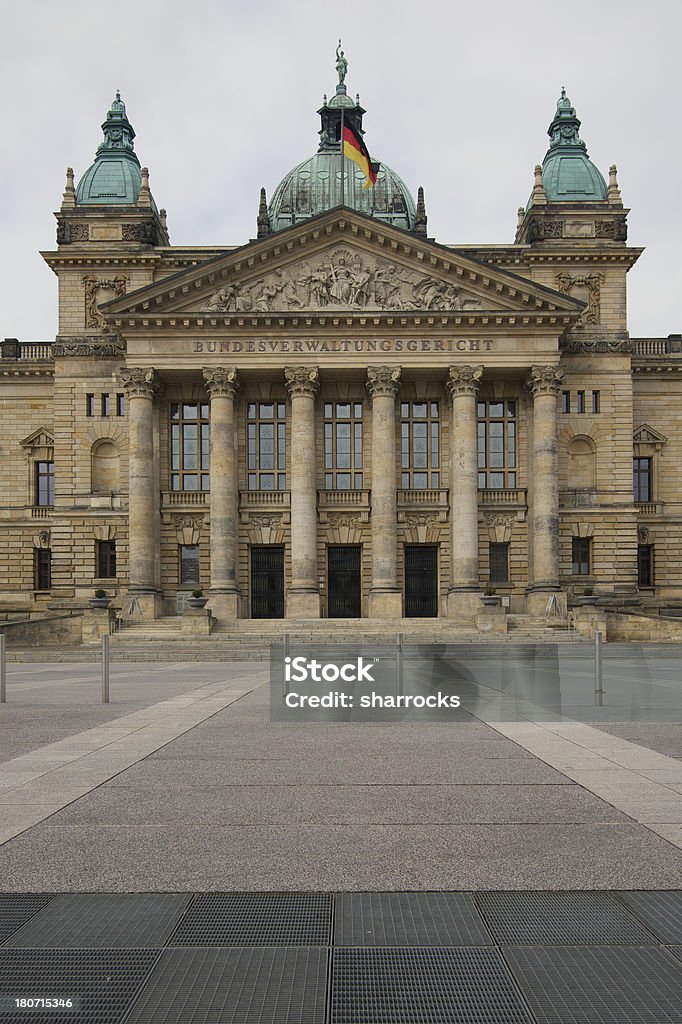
120,405
641,471
266,446
565,401
497,444
580,397
106,405
581,550
89,405
42,568
499,562
420,445
105,559
596,401
189,563
645,565
343,446
189,446
44,483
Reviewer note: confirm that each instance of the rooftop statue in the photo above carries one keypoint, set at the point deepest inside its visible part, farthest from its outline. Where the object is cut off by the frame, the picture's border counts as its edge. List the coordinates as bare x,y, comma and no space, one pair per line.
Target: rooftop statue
341,64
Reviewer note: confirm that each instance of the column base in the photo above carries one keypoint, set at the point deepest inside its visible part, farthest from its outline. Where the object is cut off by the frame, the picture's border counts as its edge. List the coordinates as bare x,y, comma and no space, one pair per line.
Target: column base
303,604
536,600
224,607
385,604
143,605
464,604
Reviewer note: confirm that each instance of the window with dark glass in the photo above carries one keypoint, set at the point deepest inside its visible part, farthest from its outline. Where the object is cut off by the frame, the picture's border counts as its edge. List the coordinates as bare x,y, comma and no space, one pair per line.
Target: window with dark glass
645,565
42,568
581,552
565,401
266,446
596,401
106,559
343,446
420,445
44,483
499,562
120,405
189,563
642,479
496,444
581,401
106,405
89,405
189,446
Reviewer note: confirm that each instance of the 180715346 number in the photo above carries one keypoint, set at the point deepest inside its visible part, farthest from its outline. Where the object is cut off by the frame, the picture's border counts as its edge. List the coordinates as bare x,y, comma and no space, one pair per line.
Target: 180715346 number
63,1003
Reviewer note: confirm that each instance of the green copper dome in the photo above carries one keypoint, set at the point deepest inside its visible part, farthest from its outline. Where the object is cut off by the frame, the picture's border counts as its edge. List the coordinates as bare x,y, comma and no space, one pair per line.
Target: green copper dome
114,178
314,186
567,173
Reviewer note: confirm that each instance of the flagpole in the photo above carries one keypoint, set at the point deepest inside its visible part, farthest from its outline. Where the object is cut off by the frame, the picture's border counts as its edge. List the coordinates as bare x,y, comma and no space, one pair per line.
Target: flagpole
343,164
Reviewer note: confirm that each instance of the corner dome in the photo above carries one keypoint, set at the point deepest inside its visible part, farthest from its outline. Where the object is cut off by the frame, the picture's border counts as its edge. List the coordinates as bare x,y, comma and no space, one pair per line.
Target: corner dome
315,185
568,175
114,178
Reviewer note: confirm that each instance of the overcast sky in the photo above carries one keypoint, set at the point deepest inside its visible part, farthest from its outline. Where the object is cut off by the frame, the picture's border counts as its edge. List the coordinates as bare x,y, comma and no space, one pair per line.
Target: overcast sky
222,96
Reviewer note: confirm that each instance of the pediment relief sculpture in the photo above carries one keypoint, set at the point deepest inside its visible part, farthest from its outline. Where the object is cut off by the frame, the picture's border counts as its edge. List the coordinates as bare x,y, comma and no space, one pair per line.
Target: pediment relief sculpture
342,279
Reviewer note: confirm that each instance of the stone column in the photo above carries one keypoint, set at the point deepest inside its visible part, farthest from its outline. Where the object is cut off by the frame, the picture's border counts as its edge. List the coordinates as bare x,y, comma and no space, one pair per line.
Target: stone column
303,597
143,499
222,386
463,596
385,599
544,384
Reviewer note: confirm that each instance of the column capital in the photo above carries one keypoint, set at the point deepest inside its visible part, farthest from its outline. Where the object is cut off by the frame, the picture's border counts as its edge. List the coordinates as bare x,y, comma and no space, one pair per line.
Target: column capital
383,380
544,380
138,382
302,380
464,380
221,381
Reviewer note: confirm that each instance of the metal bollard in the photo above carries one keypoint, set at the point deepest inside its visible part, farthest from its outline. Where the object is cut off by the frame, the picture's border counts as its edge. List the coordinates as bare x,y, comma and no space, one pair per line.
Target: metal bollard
105,669
598,676
3,671
399,665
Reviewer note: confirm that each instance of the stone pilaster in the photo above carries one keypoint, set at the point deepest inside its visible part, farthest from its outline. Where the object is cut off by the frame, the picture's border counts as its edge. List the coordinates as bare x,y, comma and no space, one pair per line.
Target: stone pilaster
463,597
143,499
222,385
544,384
385,599
303,597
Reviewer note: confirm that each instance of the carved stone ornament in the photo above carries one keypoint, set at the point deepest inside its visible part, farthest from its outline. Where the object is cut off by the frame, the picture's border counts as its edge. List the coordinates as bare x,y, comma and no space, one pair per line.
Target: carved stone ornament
597,345
643,534
302,380
544,380
42,539
383,380
68,232
464,380
221,381
592,282
421,519
342,280
141,232
94,349
336,519
93,317
139,383
262,521
183,522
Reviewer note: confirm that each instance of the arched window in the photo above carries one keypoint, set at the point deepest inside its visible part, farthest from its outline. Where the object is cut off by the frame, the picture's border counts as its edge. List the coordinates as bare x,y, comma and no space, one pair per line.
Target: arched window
581,463
105,468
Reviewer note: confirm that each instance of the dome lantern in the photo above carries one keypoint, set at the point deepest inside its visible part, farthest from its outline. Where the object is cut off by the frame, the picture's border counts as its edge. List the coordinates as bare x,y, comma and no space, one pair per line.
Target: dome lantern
568,175
114,179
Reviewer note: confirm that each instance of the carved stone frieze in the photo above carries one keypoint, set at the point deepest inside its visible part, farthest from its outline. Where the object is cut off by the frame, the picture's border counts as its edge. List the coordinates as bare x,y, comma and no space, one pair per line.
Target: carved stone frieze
341,280
93,317
302,380
573,344
539,228
141,232
261,521
336,519
221,381
68,232
464,380
383,380
413,519
95,348
592,284
138,382
616,229
182,522
544,380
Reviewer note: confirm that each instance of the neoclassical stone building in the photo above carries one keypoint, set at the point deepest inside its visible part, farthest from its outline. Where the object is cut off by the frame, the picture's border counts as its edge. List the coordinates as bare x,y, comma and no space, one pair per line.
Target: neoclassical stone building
341,417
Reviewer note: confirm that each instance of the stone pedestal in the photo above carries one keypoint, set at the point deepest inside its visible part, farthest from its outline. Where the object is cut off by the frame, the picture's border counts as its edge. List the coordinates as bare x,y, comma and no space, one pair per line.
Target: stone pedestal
303,596
97,622
544,384
222,385
143,515
463,383
588,619
196,622
385,599
491,619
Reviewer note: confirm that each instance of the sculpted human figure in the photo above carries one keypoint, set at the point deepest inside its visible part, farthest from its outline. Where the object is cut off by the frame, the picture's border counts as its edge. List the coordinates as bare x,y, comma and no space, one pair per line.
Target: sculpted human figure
341,64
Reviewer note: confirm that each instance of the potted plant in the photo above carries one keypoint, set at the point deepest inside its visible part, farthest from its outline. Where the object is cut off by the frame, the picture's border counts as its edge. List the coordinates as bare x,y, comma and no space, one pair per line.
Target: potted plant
490,597
100,600
197,600
587,597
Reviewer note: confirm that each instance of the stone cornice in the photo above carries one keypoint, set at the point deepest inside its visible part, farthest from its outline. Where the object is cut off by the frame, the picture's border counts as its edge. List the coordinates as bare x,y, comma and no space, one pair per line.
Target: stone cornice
221,381
383,380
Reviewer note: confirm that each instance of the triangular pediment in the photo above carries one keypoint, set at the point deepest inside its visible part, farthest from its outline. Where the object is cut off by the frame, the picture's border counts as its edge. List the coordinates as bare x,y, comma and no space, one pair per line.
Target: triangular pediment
645,434
341,262
40,438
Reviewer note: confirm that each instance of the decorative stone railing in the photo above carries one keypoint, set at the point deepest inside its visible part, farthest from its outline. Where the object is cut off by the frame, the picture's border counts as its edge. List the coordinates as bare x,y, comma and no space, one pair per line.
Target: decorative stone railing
503,496
427,498
185,498
34,351
264,499
649,508
343,499
41,511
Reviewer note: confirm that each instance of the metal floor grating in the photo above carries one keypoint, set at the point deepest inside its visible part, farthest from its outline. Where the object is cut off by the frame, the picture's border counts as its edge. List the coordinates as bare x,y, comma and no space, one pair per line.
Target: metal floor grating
256,919
660,911
616,985
104,921
15,911
423,986
408,919
560,919
104,981
235,986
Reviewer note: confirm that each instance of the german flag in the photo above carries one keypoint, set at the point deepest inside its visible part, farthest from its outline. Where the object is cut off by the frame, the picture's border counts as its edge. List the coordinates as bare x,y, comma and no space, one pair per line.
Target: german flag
355,149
